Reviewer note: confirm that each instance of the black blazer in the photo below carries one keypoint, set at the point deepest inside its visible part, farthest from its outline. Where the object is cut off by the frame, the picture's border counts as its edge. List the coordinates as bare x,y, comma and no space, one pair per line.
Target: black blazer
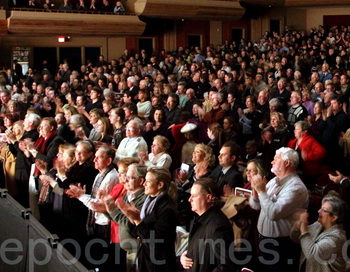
207,235
232,177
51,151
23,163
159,224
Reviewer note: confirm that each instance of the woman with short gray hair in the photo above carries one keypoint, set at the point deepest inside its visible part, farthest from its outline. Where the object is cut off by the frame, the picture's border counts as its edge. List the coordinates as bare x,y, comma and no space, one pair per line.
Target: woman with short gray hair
322,242
78,125
311,154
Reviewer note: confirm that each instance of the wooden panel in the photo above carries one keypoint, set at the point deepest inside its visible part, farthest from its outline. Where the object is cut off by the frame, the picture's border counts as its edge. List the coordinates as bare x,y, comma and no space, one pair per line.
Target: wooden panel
3,28
187,27
315,3
196,9
3,23
295,3
37,23
227,29
274,3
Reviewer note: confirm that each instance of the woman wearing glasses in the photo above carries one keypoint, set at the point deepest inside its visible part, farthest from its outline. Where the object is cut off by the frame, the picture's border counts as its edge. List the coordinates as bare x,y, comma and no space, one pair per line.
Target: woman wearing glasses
322,242
255,167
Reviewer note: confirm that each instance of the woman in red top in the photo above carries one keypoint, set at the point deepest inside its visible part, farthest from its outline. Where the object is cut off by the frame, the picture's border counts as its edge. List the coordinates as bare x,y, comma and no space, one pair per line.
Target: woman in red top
311,154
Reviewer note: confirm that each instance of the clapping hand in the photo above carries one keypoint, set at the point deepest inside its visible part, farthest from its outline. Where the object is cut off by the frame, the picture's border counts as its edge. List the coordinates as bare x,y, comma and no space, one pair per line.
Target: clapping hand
75,191
258,183
130,211
47,180
101,206
41,165
11,137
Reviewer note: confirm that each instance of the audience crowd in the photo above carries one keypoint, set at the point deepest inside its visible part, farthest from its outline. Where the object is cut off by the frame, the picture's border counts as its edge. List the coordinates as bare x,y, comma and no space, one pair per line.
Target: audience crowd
149,147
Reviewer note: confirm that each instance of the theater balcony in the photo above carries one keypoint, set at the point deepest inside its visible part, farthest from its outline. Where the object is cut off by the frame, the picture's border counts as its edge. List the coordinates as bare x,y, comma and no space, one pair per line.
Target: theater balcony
218,10
39,22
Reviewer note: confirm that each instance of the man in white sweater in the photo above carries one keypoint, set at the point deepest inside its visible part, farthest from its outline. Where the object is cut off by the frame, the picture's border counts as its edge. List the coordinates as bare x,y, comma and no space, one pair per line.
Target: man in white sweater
132,143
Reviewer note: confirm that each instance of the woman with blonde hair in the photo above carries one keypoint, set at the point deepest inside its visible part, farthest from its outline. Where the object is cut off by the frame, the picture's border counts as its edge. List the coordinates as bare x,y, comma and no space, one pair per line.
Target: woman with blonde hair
281,133
73,168
69,110
203,160
8,159
50,203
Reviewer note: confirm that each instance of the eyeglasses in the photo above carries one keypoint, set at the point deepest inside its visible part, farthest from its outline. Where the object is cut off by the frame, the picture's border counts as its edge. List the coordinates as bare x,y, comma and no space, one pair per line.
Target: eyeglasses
324,211
130,128
130,178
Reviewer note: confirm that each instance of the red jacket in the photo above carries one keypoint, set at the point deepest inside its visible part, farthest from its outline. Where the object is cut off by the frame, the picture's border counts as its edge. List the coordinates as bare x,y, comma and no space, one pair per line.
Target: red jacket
117,192
314,152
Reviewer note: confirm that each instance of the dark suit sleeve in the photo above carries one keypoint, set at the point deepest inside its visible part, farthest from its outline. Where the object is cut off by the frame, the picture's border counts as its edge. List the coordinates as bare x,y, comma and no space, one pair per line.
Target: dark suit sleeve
14,149
345,184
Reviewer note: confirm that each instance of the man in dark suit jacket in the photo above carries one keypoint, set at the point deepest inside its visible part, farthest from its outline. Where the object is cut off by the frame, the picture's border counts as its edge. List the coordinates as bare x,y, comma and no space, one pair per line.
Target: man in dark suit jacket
172,109
227,173
344,183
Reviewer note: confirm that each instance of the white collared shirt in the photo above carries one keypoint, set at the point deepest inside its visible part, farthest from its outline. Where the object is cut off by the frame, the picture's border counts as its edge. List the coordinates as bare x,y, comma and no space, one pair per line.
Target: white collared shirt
278,204
107,184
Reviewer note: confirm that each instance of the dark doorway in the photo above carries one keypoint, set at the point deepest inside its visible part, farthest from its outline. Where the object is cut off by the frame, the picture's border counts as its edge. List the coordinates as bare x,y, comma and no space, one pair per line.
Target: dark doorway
45,53
193,41
72,55
237,35
275,26
147,45
92,53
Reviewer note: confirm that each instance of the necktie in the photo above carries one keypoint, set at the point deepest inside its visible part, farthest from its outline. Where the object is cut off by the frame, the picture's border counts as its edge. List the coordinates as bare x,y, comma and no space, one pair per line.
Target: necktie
220,179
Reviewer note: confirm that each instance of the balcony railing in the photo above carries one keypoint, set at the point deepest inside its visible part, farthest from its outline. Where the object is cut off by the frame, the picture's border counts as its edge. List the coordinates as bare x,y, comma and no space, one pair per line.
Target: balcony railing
71,11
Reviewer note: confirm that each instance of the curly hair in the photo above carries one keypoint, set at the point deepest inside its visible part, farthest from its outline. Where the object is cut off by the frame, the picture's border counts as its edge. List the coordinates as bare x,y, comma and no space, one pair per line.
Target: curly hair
208,151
